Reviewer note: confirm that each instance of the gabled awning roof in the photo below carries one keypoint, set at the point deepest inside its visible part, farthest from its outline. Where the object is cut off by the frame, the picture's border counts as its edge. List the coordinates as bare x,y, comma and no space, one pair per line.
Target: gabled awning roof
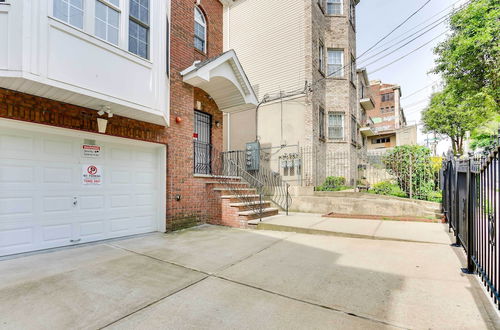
223,78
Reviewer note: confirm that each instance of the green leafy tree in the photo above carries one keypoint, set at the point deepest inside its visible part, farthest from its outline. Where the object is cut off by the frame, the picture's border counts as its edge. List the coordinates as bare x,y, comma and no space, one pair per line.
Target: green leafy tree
452,116
469,62
486,135
469,59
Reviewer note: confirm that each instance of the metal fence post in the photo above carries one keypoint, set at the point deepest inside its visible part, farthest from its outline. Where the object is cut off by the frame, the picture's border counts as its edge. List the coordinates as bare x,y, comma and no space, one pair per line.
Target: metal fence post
411,177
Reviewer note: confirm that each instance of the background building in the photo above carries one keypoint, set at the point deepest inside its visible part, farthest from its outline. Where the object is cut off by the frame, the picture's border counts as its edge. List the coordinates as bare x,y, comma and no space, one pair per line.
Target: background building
389,123
301,60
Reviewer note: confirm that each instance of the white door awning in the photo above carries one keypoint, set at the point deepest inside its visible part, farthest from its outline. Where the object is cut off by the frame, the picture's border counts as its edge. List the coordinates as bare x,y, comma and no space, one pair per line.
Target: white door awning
224,80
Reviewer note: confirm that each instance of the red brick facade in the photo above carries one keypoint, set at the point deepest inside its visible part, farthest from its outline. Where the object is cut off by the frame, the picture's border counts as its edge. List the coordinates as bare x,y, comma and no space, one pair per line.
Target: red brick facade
197,203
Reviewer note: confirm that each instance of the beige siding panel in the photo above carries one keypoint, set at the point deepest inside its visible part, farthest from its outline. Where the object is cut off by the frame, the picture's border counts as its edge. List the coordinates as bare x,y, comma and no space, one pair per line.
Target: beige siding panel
269,39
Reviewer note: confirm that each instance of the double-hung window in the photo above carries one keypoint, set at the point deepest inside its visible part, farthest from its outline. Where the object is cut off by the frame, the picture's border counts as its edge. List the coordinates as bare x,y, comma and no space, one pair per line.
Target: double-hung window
200,30
321,57
69,11
321,123
107,20
138,28
334,7
335,125
335,63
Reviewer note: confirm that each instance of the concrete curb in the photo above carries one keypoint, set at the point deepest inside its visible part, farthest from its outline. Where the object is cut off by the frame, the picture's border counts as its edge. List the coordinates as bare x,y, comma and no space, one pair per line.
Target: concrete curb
312,231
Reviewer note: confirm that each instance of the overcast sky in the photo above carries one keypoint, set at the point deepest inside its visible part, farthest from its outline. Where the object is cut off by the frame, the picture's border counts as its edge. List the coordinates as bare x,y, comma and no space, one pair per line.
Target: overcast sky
376,18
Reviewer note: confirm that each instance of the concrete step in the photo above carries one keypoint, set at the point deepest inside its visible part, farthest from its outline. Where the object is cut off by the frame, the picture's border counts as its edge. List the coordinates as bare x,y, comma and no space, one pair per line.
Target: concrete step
255,214
247,206
235,189
239,198
218,184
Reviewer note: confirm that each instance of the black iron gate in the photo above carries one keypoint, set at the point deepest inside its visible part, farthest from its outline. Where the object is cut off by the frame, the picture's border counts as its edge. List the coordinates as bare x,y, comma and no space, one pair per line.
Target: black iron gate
202,143
471,202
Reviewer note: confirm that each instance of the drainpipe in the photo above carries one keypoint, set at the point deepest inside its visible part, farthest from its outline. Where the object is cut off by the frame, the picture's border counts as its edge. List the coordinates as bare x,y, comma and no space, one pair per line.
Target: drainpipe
264,100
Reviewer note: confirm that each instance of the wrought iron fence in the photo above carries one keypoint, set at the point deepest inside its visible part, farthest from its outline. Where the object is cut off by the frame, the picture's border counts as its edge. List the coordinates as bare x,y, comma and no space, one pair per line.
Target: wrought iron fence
225,167
471,200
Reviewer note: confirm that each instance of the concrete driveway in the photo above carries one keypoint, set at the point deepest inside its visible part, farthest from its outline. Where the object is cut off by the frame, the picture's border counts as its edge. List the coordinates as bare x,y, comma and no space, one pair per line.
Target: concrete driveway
219,278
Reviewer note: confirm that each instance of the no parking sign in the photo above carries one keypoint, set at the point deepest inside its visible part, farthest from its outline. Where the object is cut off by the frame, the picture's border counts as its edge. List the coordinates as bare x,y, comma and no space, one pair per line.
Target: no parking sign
92,174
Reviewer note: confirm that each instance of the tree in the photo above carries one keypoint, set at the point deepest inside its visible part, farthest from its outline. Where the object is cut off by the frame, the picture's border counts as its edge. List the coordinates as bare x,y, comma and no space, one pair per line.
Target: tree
469,60
486,135
452,116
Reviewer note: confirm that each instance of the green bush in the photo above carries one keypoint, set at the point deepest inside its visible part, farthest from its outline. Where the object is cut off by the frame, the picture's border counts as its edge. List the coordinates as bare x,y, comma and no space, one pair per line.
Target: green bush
333,183
387,188
435,196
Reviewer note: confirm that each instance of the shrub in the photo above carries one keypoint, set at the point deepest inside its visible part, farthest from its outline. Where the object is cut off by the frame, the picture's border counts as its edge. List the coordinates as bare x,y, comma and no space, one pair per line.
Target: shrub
387,188
435,196
333,183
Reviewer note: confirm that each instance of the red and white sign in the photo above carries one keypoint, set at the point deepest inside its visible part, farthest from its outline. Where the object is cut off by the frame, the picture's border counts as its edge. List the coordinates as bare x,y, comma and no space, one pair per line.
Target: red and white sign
91,151
91,175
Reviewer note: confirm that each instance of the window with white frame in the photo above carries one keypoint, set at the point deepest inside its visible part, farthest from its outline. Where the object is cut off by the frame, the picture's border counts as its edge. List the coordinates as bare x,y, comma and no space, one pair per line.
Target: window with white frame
138,28
69,11
334,7
107,20
321,56
335,125
200,30
335,63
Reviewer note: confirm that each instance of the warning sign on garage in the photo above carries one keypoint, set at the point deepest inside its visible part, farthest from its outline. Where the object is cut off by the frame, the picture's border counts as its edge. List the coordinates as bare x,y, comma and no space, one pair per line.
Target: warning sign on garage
91,151
92,174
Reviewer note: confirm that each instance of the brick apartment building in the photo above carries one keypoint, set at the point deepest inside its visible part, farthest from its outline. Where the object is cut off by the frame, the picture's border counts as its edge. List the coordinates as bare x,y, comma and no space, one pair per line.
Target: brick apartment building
308,78
97,120
389,122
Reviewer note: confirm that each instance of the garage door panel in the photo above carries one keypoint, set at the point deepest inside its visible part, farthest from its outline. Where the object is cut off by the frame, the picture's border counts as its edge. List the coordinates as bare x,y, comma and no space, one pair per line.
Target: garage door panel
16,205
144,200
12,174
92,202
120,154
93,230
61,233
146,222
59,175
16,144
61,149
121,177
51,204
121,201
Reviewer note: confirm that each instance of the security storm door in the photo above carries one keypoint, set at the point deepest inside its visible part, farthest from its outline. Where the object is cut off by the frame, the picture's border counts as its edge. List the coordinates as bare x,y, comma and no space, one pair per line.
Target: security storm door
202,143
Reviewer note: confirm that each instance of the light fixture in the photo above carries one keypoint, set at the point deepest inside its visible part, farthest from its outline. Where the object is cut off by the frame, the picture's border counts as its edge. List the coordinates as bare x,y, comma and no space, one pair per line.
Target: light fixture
110,114
100,112
217,123
104,109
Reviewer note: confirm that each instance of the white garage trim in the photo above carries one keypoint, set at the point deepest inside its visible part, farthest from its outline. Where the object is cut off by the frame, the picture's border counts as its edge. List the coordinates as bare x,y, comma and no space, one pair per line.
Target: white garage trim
146,173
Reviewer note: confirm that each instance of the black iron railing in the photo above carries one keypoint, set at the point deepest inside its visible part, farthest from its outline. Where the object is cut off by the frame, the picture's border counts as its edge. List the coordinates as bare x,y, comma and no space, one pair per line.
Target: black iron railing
471,198
225,167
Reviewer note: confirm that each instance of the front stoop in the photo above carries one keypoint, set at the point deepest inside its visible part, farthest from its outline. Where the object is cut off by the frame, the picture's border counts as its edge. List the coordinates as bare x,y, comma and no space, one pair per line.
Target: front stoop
235,212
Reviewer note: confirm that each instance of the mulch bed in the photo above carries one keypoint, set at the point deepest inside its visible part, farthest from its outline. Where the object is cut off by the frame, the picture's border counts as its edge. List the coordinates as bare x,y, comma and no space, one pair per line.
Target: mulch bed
382,217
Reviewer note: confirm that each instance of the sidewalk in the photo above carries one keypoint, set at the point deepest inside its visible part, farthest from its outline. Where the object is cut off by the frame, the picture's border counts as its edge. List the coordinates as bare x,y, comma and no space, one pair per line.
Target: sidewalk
308,223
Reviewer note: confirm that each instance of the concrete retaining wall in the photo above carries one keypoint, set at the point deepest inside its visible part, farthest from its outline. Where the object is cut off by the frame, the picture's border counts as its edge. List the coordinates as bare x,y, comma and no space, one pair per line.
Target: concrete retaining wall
364,204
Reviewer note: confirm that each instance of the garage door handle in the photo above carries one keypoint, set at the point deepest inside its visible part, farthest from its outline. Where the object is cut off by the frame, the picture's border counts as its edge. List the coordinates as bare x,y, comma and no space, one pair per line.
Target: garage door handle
75,240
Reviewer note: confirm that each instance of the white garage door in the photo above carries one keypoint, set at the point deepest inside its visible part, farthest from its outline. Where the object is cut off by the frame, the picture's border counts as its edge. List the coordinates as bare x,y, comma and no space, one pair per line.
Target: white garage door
44,202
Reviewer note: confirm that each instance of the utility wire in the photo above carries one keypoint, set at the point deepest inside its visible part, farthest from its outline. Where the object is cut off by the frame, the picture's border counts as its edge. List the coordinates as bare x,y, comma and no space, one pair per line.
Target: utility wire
397,27
418,91
423,22
408,54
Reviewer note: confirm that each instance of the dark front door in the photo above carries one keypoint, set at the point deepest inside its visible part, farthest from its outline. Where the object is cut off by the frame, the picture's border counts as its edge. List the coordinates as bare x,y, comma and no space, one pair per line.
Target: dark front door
202,143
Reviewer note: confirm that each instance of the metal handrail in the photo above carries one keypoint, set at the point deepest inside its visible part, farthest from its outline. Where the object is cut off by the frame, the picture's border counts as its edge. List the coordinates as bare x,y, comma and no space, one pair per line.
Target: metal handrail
224,168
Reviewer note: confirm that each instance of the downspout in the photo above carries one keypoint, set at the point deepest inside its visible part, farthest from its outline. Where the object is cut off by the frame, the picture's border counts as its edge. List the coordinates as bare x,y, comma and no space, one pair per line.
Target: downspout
264,100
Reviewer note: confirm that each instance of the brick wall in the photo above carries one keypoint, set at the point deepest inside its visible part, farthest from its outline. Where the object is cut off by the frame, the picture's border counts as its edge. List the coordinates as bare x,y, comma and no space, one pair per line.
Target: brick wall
198,203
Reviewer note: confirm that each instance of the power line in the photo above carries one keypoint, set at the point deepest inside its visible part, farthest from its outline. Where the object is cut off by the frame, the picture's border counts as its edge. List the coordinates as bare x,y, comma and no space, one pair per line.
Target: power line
397,27
408,54
420,90
440,21
423,22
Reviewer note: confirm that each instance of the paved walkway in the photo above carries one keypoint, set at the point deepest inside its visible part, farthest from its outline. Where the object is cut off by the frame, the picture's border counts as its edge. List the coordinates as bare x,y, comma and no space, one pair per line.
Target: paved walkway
359,228
219,278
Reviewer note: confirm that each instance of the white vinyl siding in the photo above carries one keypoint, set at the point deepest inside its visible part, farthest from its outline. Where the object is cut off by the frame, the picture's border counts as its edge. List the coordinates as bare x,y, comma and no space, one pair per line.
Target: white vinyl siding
107,21
334,7
263,48
335,63
69,11
335,125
